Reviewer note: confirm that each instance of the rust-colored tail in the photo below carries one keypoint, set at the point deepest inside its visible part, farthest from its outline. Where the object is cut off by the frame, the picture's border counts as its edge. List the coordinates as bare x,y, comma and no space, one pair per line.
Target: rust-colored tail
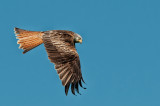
28,39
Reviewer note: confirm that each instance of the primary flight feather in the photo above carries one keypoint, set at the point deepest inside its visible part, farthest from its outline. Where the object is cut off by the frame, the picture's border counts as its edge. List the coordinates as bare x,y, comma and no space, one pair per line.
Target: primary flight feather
60,47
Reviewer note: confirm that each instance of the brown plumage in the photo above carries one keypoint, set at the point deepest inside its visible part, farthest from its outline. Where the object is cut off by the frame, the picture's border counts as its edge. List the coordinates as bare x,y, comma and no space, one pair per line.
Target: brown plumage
60,47
28,39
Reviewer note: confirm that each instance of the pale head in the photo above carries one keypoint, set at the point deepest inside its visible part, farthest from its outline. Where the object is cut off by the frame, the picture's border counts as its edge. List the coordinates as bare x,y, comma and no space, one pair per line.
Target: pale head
77,38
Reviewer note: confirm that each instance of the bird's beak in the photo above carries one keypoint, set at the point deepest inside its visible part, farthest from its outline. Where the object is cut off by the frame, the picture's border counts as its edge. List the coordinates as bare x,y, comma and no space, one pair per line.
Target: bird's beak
80,41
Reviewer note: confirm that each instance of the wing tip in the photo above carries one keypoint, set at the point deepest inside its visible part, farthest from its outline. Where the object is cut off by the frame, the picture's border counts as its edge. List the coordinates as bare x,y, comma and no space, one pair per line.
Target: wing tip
74,87
66,89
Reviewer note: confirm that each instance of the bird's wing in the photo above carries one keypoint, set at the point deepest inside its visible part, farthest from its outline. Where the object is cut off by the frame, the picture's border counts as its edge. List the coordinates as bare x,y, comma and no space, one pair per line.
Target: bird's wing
61,51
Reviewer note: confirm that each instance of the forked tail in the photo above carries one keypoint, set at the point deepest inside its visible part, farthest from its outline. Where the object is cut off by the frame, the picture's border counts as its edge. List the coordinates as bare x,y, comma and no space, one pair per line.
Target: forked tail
28,39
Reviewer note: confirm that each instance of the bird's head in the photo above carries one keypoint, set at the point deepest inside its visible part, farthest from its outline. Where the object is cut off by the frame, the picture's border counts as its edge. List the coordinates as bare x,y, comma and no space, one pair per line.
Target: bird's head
77,38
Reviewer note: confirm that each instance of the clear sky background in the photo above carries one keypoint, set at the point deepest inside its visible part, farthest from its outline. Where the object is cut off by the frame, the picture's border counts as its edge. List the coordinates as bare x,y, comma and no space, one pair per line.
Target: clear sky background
120,53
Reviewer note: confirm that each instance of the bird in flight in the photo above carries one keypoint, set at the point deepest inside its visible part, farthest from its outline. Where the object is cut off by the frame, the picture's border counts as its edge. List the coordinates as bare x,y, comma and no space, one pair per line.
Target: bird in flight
60,47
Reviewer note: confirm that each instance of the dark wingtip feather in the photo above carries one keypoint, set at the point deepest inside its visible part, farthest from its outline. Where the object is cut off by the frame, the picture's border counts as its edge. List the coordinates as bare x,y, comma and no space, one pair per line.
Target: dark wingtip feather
77,89
72,88
80,83
66,89
83,81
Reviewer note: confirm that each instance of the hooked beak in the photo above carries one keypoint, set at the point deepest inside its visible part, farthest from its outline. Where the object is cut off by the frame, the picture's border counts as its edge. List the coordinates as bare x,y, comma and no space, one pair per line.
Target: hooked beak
80,41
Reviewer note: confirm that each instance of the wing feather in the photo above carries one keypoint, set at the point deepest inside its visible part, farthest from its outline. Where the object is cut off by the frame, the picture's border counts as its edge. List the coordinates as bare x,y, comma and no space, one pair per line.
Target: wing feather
61,51
63,73
72,88
66,78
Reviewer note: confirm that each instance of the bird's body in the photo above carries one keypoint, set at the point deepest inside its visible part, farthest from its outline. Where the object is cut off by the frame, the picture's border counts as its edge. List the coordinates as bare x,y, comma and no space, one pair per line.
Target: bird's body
60,47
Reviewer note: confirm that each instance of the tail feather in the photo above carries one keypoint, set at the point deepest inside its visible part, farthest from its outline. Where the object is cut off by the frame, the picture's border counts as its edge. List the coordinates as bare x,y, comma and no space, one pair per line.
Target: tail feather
28,39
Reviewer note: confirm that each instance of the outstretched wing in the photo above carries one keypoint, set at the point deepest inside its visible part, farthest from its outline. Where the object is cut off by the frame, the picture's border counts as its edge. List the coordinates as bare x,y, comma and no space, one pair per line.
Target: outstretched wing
61,51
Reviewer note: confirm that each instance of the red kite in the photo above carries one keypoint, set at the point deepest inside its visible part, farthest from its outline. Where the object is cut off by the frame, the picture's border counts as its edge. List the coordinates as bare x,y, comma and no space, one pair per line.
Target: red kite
60,47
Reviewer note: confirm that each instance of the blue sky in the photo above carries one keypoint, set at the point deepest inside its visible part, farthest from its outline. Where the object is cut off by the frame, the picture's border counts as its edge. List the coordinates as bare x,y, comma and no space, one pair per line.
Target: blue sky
120,54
